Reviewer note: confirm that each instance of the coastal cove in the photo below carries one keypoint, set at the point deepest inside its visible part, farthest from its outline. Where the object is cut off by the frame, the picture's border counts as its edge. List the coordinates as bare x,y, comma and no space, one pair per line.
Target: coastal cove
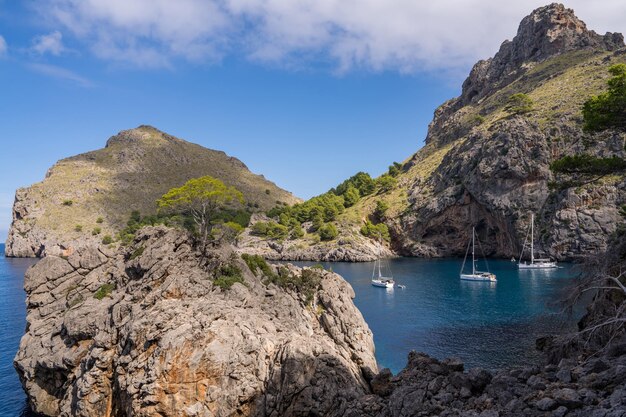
490,325
487,325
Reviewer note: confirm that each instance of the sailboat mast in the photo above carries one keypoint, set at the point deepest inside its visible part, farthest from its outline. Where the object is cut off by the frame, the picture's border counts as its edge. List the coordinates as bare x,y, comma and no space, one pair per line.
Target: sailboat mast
473,261
532,238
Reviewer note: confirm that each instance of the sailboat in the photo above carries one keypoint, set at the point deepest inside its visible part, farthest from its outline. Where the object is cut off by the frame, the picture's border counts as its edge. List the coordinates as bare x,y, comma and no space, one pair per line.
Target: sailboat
380,280
475,275
535,263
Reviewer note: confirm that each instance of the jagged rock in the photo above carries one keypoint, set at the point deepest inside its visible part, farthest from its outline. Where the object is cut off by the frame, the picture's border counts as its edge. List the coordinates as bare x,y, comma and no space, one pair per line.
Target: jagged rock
148,334
492,167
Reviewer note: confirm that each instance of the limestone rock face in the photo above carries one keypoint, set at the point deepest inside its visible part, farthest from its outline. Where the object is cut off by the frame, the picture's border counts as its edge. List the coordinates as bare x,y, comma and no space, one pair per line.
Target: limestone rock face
548,31
495,165
145,331
493,180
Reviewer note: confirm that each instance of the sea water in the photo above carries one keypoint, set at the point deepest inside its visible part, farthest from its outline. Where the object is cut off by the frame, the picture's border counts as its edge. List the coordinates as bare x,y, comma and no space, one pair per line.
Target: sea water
12,325
492,325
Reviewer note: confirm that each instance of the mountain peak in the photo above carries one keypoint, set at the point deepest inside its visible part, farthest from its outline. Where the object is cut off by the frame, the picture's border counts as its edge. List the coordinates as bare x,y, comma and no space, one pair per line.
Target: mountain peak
546,32
143,134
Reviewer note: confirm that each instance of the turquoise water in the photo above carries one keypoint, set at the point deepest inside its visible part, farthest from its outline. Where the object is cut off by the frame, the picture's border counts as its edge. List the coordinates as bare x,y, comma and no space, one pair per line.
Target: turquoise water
488,325
491,325
12,325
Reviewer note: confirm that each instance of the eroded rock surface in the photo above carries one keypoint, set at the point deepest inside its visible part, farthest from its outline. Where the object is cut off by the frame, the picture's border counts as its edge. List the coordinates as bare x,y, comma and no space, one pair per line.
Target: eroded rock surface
144,331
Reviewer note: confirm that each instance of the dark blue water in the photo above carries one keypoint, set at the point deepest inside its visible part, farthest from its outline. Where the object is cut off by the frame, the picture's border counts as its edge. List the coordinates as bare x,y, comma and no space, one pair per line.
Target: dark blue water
492,325
12,325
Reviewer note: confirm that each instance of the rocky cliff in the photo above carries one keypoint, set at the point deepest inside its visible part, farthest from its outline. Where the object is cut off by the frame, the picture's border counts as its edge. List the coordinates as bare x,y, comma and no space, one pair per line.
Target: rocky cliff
148,330
98,190
488,166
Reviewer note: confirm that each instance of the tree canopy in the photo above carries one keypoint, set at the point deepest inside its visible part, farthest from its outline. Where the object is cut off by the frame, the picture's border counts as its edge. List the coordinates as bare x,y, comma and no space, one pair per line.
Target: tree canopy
201,198
608,110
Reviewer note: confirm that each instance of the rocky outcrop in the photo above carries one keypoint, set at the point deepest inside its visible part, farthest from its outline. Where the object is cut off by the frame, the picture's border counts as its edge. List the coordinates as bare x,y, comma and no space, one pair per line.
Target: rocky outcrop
354,248
146,330
496,168
429,387
547,32
88,196
493,180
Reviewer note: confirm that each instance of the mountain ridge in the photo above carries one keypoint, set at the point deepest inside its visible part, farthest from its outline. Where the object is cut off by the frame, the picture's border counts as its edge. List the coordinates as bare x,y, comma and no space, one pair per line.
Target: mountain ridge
96,191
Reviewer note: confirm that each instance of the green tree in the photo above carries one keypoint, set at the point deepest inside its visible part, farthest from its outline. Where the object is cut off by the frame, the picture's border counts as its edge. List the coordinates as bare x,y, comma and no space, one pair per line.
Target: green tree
201,198
328,231
605,111
394,169
381,209
519,103
385,183
351,196
608,110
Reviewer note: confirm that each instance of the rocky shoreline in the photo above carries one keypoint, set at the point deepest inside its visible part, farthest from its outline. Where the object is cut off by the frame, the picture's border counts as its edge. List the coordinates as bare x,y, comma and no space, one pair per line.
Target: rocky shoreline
149,330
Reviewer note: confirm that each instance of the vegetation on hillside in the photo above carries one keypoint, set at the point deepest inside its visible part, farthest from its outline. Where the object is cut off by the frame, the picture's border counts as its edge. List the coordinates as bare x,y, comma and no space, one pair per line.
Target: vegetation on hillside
601,112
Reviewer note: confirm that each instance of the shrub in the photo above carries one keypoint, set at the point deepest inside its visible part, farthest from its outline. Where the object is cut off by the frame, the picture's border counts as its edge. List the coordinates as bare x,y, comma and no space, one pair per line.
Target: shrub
385,183
381,209
96,231
228,275
328,232
78,228
271,230
104,291
307,283
351,196
136,253
107,240
375,231
608,110
257,264
394,169
68,202
361,181
267,192
296,232
519,103
99,220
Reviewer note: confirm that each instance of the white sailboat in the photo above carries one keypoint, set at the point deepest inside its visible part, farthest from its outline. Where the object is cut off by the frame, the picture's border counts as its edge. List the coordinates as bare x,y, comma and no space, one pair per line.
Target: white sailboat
378,280
475,275
535,263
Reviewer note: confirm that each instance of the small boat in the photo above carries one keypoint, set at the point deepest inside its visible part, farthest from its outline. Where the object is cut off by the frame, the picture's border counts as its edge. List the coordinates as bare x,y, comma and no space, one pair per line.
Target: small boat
475,275
380,280
535,263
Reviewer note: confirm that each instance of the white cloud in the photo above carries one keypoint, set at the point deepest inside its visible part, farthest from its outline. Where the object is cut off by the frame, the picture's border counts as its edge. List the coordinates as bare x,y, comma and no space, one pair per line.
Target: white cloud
51,43
3,46
402,35
60,73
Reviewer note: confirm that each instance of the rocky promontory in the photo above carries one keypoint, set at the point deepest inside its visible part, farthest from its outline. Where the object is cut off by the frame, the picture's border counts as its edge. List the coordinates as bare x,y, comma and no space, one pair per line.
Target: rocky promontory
152,329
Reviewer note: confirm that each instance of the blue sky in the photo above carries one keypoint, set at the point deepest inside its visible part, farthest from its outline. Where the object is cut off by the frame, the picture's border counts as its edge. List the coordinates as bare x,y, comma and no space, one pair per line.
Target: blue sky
306,92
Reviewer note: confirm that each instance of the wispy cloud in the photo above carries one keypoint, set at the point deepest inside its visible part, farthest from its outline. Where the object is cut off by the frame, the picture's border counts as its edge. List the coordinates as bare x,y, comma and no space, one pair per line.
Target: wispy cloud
51,43
60,73
3,46
401,35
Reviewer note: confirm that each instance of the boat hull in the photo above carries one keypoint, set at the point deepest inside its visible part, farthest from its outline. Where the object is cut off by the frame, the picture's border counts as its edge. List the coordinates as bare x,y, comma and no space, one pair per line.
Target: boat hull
479,277
383,283
542,265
